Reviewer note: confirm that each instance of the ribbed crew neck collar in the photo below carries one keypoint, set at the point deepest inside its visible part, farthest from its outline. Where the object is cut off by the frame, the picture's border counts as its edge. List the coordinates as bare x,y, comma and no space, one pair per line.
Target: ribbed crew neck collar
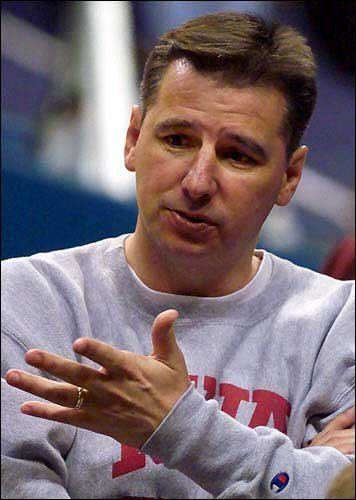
251,301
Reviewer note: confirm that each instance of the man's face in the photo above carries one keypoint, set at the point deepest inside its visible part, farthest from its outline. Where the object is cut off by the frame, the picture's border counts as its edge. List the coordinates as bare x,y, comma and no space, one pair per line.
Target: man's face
210,163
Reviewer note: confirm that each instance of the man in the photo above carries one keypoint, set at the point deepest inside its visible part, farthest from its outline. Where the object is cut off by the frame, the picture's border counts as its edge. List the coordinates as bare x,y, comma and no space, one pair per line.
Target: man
233,402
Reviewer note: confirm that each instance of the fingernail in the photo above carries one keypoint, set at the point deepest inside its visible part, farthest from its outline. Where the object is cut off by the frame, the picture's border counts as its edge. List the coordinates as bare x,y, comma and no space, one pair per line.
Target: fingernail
79,344
26,409
13,378
33,357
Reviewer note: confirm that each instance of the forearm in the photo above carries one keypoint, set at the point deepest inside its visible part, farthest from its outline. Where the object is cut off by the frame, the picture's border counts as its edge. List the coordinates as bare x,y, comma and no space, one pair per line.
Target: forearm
231,460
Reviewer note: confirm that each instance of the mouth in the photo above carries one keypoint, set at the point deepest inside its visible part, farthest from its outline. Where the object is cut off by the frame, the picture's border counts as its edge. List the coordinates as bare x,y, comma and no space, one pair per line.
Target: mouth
195,218
196,227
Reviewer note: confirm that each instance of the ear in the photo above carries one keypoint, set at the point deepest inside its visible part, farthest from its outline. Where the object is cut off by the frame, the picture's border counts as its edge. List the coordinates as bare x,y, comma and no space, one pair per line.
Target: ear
132,135
292,175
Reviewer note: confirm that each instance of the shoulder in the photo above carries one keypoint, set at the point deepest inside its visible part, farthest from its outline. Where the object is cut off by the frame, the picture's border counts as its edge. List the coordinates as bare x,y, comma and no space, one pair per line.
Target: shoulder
319,311
51,267
311,305
43,292
311,289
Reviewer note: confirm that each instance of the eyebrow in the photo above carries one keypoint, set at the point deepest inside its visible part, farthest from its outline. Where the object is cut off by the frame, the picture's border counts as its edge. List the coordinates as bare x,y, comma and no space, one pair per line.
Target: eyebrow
175,123
249,143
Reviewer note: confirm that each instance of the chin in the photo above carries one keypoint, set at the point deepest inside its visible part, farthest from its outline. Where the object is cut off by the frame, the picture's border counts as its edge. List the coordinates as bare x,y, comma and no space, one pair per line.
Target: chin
178,246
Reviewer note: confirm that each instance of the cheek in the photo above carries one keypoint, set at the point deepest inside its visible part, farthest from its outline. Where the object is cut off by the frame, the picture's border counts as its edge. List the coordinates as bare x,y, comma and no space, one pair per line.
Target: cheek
264,198
253,199
156,171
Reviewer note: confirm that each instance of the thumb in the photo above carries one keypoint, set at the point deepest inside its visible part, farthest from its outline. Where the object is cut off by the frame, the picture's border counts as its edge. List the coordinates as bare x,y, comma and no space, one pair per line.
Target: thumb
165,347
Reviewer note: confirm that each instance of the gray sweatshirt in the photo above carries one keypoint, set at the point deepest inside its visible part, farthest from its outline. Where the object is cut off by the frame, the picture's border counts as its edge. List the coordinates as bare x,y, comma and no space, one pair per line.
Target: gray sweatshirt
270,365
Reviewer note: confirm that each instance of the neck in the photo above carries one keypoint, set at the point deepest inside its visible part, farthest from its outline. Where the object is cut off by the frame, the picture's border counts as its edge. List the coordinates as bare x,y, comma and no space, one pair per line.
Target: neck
196,275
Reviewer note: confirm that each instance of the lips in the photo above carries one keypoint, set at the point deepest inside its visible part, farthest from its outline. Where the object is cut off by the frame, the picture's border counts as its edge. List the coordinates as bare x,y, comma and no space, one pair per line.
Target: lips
195,227
195,218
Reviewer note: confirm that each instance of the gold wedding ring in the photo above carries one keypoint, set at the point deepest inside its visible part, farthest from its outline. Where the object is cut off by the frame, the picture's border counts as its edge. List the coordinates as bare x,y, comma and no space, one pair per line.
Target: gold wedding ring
80,398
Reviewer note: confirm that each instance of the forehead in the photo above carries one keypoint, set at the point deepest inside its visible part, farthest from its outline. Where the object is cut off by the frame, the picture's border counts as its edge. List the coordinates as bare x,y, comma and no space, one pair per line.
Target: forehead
187,93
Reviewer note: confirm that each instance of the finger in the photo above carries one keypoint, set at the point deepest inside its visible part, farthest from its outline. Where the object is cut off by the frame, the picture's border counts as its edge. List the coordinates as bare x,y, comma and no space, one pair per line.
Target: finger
340,434
334,437
346,450
63,368
60,393
342,421
164,344
346,445
79,418
114,360
72,416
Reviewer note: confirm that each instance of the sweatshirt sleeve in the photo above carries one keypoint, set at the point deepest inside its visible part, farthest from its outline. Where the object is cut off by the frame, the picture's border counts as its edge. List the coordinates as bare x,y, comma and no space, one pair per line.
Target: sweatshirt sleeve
231,460
32,450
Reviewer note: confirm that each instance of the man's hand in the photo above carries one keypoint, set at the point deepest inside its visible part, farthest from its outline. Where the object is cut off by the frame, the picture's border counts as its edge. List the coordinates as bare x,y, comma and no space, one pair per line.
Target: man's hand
126,399
338,433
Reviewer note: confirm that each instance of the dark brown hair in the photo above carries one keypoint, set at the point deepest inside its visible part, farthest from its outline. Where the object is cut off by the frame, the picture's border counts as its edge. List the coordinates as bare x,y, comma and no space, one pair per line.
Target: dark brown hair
243,49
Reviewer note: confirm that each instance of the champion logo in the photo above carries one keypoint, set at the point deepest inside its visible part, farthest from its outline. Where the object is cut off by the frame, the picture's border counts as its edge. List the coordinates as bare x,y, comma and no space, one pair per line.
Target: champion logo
279,482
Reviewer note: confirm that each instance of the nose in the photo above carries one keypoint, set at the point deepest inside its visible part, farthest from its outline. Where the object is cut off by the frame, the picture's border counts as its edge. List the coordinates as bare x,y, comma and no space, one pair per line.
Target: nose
199,184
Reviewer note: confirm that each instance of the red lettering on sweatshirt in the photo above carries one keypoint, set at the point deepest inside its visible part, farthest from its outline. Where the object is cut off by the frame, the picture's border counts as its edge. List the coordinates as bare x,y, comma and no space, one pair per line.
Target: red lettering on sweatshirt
268,404
209,387
194,378
131,459
232,398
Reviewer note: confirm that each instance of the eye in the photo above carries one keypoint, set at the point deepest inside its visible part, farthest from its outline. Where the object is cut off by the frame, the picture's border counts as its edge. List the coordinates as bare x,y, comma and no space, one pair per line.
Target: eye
236,156
177,140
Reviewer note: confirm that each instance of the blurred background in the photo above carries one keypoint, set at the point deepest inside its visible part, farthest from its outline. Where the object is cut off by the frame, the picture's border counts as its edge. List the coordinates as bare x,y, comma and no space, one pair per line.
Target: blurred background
70,75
